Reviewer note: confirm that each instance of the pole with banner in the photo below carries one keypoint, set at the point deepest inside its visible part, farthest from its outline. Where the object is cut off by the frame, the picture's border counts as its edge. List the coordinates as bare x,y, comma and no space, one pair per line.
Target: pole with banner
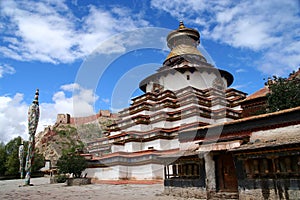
33,119
21,158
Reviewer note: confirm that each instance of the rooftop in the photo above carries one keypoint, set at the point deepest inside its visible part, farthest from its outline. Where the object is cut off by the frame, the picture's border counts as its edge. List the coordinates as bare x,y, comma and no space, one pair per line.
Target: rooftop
260,93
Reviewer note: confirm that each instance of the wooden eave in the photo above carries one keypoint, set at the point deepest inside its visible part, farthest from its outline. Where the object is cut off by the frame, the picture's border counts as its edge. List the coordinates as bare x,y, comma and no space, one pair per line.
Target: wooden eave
249,124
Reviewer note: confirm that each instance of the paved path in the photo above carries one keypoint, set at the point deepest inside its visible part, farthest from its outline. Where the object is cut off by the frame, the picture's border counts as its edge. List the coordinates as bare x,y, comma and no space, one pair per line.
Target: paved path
42,189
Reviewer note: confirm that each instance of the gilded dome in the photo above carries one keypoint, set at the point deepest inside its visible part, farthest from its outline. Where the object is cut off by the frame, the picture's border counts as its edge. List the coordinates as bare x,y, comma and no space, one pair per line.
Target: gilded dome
184,41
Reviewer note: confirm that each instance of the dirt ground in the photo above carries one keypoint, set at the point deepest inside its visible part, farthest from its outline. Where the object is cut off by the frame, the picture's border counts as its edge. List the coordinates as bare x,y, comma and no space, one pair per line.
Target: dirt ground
13,189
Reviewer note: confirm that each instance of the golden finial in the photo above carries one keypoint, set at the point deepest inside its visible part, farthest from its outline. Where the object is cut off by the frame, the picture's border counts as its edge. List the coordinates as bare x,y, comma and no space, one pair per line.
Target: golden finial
181,25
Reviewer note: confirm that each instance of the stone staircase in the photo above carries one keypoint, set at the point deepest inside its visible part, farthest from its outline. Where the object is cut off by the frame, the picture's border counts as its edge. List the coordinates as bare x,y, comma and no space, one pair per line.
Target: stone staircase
224,195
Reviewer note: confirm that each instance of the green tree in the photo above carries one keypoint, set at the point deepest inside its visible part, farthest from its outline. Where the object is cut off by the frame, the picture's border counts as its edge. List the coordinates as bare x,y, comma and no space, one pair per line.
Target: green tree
38,163
3,156
284,94
12,163
71,163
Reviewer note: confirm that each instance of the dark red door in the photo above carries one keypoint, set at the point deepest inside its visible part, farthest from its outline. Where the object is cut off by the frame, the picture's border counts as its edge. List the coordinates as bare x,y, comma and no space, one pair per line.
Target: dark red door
226,174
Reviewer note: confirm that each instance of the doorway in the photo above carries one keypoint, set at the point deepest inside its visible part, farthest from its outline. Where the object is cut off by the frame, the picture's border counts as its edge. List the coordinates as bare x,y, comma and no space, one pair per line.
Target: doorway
226,173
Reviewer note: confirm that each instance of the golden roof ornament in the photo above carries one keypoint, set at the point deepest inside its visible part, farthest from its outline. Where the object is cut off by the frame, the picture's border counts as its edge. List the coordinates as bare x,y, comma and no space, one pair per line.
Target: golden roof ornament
181,25
183,42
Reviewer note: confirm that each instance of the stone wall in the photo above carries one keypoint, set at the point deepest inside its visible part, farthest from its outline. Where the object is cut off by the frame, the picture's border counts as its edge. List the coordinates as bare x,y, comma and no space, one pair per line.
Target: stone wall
78,181
190,192
67,119
261,194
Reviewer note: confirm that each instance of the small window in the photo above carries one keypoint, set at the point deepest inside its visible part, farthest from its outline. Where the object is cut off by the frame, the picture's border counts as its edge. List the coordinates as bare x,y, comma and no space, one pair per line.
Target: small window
187,77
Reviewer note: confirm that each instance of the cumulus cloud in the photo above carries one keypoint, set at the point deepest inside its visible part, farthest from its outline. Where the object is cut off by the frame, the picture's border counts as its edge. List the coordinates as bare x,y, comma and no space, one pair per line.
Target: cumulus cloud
269,26
37,34
13,113
79,103
71,98
48,31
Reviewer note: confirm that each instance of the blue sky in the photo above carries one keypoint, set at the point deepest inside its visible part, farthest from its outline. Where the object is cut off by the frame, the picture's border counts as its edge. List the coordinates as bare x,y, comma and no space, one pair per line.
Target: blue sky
86,55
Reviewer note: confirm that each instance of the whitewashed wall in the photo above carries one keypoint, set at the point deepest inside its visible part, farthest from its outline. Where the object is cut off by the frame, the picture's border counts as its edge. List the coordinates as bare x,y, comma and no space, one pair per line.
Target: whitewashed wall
176,80
278,133
140,172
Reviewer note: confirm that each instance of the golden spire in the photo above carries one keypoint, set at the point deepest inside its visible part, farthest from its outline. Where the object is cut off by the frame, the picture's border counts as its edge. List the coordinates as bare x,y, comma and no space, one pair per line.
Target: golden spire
181,25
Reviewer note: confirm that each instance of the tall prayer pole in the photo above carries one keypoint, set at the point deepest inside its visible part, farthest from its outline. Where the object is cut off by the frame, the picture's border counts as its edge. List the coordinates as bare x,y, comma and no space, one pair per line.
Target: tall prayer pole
33,119
21,158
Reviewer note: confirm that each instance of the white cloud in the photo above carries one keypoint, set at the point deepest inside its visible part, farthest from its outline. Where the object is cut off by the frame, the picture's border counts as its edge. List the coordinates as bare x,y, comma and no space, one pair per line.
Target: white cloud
38,34
100,25
80,103
242,86
240,70
271,27
281,61
70,87
13,110
6,69
48,31
13,117
105,100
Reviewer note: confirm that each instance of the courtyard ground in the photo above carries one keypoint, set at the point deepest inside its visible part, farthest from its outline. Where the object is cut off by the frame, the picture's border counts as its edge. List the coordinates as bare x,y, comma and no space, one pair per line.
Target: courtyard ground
11,190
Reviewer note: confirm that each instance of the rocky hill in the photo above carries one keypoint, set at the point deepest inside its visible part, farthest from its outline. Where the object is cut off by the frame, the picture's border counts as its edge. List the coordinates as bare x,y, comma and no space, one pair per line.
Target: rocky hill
63,135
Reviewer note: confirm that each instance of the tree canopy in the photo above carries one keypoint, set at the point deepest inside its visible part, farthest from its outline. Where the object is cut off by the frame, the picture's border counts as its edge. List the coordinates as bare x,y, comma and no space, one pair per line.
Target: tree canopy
12,163
284,94
71,163
9,158
3,156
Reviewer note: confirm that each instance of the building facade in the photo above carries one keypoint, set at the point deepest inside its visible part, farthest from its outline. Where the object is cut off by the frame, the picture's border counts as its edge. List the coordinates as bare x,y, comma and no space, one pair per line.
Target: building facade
186,92
204,139
253,158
